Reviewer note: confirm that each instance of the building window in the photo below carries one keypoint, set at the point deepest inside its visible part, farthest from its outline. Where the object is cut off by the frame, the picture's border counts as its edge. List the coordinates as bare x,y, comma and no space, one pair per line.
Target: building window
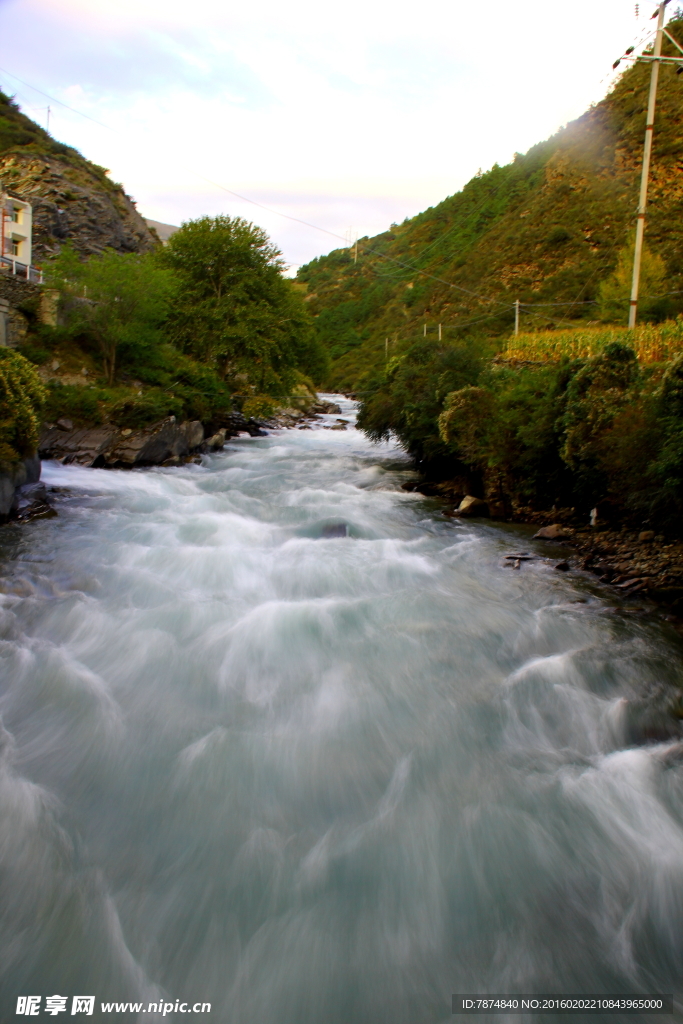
15,215
14,247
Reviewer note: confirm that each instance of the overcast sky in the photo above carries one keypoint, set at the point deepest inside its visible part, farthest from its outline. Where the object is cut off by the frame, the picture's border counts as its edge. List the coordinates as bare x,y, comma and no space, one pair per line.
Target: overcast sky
350,116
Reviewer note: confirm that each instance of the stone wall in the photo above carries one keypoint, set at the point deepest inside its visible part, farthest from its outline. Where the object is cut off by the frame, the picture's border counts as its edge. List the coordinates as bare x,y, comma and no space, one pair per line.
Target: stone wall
14,292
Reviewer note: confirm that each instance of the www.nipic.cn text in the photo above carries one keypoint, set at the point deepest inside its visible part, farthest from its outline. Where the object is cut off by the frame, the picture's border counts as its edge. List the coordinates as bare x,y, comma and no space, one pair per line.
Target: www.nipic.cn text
31,1006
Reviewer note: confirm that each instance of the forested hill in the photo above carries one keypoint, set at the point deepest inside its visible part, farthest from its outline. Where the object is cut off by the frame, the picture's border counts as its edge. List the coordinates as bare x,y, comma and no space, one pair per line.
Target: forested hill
72,197
546,228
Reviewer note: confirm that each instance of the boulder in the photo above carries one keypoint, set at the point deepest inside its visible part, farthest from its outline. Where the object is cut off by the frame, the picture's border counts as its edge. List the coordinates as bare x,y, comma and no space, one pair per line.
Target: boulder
84,446
473,507
193,432
109,446
646,536
152,445
31,502
554,532
216,441
322,406
26,472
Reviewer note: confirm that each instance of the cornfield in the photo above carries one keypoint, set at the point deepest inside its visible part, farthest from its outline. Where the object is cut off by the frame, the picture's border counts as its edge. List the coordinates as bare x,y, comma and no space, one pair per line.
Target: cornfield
652,343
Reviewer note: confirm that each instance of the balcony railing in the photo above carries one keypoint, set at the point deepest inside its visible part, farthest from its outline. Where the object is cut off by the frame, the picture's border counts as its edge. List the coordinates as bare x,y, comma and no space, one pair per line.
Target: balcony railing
19,269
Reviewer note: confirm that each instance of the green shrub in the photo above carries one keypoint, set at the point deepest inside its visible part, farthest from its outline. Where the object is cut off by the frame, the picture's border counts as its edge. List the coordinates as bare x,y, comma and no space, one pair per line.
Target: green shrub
34,353
21,397
151,407
79,404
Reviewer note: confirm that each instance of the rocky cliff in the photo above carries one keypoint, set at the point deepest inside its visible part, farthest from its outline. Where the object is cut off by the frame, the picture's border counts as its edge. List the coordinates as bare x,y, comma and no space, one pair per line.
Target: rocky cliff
72,198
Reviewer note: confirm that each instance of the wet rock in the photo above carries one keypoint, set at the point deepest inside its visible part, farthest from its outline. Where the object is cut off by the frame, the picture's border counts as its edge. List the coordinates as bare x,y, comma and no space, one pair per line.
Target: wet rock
562,566
216,441
646,536
109,446
26,472
32,502
554,532
82,446
155,444
627,584
193,432
323,407
65,424
334,530
473,507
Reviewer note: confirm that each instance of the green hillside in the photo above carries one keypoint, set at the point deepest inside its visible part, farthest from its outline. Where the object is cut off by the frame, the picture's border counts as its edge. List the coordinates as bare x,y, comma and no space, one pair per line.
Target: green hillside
546,228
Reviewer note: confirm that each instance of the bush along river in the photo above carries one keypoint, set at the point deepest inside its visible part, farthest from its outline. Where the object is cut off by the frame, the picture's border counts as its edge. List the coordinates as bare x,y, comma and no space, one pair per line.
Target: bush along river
280,737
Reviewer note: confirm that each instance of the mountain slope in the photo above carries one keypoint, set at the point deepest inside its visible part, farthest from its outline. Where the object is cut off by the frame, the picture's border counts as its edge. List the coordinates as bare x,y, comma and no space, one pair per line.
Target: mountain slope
72,198
546,228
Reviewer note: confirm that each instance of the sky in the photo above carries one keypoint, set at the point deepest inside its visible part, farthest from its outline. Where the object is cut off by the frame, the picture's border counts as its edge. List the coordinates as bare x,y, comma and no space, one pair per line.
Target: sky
349,116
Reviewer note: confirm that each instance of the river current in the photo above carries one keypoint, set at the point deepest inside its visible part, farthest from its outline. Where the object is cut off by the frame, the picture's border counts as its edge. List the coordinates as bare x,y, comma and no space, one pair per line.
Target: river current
279,737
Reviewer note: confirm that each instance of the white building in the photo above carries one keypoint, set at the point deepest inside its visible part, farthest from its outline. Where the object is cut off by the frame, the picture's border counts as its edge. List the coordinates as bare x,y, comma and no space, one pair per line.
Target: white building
16,236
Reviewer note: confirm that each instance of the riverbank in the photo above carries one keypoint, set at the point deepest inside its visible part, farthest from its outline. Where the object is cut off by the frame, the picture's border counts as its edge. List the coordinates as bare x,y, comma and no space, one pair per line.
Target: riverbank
633,562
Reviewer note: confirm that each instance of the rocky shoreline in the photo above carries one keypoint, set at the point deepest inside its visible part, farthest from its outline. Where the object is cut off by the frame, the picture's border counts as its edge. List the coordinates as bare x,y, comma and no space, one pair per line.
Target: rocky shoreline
633,563
107,446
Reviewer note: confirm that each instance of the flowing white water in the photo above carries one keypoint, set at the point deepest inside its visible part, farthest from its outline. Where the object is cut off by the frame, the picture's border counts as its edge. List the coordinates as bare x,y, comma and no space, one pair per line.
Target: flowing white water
281,738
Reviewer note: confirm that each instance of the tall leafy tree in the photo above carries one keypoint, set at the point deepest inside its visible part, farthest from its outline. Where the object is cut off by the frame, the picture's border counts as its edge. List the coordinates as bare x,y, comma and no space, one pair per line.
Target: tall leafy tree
235,310
119,301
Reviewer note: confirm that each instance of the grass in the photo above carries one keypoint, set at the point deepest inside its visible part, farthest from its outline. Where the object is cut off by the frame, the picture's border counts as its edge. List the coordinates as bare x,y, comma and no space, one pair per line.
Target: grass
652,343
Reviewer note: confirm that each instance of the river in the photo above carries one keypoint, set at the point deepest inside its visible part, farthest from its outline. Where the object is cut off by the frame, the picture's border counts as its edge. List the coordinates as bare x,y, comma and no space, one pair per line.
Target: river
280,737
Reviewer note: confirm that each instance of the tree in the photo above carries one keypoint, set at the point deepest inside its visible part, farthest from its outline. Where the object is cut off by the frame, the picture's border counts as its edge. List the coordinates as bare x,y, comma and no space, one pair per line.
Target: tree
120,301
234,309
614,293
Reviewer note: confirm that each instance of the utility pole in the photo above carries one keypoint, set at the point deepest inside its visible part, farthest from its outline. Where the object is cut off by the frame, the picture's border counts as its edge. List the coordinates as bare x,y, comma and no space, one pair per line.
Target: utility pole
48,120
647,154
355,252
424,330
516,316
439,332
386,349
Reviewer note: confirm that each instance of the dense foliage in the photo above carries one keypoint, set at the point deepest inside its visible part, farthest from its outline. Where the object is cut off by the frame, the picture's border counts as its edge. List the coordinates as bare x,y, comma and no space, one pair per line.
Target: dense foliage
21,399
574,433
190,331
119,301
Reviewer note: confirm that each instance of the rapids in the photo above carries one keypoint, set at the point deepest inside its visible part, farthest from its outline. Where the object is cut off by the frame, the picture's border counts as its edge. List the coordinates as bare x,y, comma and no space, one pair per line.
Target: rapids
280,737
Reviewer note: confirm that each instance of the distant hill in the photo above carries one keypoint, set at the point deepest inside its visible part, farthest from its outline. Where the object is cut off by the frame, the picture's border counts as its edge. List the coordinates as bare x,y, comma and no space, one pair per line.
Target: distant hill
546,228
72,198
163,231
